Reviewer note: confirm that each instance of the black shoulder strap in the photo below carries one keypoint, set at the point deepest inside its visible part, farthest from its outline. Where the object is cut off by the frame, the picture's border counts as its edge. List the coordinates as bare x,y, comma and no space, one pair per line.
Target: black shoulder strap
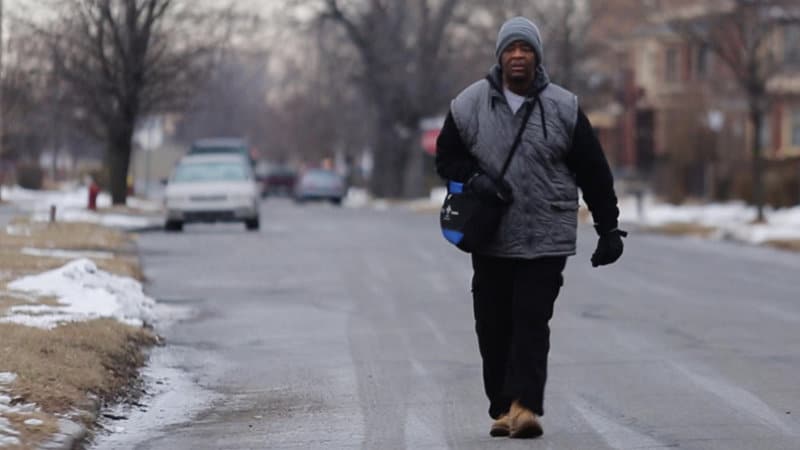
518,138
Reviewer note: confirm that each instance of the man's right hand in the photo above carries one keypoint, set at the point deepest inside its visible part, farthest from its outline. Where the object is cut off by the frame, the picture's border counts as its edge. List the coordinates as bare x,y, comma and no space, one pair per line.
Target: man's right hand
486,188
609,247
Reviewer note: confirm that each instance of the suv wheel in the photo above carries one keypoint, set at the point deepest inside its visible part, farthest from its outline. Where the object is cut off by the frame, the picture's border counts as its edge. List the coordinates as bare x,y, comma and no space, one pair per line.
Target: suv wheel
252,224
173,225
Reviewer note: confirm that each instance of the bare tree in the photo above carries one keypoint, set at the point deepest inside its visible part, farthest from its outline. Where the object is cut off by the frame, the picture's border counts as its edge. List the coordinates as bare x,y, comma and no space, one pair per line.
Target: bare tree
740,33
409,57
25,95
123,59
400,47
232,101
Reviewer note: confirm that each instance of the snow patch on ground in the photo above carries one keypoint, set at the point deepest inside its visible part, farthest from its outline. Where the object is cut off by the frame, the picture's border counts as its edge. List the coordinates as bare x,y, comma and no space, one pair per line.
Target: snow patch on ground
70,197
83,292
123,221
438,195
356,198
145,204
65,254
18,230
8,441
733,219
71,203
173,398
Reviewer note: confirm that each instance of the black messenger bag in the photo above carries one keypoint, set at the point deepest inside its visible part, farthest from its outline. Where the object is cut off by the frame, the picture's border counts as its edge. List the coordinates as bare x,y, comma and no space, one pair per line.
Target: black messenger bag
469,221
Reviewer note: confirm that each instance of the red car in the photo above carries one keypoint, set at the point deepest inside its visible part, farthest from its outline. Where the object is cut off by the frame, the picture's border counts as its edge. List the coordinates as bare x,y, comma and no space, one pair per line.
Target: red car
278,181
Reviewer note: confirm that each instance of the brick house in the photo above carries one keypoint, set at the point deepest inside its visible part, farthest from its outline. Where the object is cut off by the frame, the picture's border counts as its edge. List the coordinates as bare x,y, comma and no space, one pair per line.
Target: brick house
677,115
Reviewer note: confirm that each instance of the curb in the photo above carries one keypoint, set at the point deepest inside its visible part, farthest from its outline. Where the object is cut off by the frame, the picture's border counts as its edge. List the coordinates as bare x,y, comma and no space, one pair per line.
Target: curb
146,229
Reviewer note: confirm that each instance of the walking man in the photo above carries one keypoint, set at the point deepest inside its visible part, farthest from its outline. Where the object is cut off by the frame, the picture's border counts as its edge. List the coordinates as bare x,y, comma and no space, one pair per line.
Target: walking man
518,274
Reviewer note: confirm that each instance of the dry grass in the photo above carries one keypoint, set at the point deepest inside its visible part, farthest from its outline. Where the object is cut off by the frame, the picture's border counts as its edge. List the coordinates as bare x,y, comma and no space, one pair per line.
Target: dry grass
66,235
426,208
681,229
57,368
785,244
15,265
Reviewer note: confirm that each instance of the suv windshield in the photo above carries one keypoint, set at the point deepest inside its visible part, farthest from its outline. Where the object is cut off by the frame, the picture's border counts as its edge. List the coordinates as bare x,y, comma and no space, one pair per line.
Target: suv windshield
226,171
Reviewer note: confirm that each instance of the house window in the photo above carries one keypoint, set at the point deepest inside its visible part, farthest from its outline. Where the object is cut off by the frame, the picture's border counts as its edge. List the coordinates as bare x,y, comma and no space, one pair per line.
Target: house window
766,133
650,63
702,61
671,73
796,127
791,44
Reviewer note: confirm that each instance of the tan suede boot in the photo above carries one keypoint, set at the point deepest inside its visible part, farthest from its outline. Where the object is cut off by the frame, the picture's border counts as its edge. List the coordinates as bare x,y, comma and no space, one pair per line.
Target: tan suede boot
524,423
501,426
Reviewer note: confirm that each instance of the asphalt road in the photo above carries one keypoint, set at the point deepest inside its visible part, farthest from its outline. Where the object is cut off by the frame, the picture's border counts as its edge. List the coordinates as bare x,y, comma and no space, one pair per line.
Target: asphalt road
335,328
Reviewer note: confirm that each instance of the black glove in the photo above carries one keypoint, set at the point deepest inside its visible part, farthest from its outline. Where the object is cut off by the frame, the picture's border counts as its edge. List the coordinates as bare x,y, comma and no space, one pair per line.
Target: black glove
609,247
486,188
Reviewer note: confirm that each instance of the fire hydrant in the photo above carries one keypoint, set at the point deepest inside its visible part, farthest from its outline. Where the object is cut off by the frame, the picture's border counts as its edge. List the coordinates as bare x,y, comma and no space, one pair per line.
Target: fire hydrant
94,191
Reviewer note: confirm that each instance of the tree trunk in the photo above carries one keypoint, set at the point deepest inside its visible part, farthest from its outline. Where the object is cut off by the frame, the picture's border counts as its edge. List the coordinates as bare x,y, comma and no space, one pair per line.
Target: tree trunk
391,157
414,176
119,159
757,118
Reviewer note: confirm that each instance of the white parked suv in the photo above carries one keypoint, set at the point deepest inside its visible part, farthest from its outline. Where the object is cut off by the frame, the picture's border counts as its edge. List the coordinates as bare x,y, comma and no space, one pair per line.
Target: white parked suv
212,188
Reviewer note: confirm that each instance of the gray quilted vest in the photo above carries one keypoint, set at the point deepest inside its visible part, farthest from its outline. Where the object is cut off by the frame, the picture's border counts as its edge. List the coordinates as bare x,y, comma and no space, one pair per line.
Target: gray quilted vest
543,219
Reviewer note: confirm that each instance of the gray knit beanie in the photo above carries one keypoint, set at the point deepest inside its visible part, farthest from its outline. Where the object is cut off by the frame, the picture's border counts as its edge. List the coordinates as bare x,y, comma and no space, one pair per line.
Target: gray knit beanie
519,29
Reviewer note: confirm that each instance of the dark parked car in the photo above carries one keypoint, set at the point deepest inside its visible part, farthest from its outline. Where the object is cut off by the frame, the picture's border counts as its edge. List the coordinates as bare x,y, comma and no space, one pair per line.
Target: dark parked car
320,184
278,180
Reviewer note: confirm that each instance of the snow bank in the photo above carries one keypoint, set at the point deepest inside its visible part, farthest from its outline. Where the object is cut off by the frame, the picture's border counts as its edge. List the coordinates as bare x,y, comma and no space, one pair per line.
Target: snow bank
356,198
123,221
733,219
71,207
84,292
68,198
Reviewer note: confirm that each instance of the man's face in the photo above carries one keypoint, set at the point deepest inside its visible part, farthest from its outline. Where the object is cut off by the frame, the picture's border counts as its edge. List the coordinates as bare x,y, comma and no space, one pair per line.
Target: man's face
518,61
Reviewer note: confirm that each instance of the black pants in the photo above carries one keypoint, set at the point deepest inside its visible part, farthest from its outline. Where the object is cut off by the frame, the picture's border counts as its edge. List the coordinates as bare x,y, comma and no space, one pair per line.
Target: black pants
513,301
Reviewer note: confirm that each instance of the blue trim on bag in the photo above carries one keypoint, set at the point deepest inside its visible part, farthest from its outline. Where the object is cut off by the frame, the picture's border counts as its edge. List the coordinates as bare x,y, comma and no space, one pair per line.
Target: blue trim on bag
453,236
454,187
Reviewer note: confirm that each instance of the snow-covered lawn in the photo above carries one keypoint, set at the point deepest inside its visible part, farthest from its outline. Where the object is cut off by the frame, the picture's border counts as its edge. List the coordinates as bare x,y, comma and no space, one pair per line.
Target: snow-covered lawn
71,202
733,220
76,292
83,292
